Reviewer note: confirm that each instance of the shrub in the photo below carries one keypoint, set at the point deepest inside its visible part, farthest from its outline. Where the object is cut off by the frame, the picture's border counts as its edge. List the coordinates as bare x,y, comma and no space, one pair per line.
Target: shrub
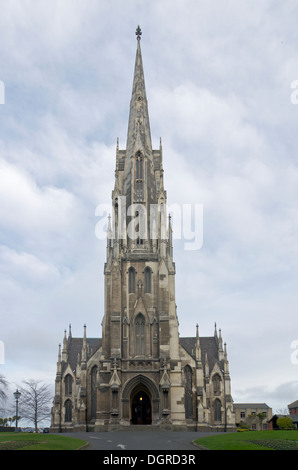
285,422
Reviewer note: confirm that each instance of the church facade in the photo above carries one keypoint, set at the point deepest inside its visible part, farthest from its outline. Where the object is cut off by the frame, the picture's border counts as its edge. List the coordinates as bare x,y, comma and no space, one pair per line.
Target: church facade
141,372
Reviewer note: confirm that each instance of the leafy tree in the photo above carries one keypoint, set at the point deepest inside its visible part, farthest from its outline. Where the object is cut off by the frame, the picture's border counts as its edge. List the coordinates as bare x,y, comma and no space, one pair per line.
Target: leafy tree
285,422
35,400
261,417
3,421
250,420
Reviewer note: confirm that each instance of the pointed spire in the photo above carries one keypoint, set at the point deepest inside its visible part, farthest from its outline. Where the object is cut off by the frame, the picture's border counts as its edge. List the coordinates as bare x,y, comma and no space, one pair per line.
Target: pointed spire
64,350
198,348
226,364
117,158
220,350
84,347
138,127
69,332
170,238
109,234
59,368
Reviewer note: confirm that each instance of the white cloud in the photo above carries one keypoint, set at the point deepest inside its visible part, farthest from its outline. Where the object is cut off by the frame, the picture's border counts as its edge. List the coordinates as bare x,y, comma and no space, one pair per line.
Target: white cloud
218,85
30,207
26,267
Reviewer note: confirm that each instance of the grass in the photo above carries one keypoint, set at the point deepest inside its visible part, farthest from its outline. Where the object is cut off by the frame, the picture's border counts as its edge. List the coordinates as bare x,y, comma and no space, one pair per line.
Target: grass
251,440
31,441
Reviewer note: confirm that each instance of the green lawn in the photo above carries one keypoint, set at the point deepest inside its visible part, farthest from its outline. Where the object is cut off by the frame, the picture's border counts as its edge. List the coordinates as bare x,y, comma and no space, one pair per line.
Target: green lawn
32,441
251,440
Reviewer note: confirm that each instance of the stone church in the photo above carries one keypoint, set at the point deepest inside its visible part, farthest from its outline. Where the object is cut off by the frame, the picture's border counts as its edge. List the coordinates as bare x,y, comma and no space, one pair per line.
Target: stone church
141,372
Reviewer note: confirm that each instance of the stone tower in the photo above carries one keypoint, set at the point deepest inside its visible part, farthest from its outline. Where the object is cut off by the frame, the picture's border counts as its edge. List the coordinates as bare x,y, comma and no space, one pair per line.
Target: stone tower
141,372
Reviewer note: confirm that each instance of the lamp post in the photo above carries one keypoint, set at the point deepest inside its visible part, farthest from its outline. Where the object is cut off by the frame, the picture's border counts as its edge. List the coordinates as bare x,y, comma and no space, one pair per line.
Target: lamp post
17,395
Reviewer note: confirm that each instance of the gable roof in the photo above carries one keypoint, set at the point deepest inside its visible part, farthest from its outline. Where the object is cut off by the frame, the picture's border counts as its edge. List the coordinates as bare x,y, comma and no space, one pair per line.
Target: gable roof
293,405
208,345
251,405
74,348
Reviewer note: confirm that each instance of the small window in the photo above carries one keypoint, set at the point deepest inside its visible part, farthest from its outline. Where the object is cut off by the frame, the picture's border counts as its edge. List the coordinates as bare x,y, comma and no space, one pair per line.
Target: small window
68,411
216,384
217,410
131,280
139,177
188,392
68,385
139,167
93,392
147,280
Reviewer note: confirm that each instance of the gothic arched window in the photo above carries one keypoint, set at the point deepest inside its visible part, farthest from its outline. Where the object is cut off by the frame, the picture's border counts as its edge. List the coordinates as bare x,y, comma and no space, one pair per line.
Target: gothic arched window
93,392
68,411
139,166
140,335
131,280
217,410
68,384
216,384
139,177
188,392
147,280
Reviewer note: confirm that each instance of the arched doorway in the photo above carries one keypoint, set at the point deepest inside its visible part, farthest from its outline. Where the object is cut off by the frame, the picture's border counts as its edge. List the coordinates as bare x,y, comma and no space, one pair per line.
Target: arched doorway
141,412
150,392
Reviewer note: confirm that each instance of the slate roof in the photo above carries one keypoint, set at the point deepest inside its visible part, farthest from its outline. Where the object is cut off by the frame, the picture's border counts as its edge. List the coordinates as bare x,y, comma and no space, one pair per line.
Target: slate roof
293,405
208,344
74,348
251,405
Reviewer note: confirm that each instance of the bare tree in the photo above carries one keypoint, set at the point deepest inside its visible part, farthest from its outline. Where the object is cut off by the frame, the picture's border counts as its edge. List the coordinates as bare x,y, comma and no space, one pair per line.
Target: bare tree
3,387
282,412
35,400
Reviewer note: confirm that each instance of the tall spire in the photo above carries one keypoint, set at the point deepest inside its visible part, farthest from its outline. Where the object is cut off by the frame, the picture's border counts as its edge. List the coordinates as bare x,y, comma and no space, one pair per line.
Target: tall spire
138,135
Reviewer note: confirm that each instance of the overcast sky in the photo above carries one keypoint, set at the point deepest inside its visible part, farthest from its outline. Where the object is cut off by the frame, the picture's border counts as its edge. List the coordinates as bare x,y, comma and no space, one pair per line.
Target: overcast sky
218,80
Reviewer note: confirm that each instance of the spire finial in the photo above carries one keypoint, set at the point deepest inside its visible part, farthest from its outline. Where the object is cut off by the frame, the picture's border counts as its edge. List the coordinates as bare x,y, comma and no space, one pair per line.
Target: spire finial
138,33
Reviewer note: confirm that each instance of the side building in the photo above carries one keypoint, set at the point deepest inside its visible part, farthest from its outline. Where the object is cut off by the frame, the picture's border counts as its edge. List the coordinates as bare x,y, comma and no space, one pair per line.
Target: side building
254,415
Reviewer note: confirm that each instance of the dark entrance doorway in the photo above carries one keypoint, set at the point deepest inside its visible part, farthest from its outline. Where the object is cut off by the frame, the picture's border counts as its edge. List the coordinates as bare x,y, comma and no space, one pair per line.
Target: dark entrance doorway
141,409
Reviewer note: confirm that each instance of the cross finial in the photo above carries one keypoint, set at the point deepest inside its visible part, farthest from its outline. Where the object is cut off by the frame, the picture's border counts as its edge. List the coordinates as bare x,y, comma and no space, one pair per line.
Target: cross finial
138,33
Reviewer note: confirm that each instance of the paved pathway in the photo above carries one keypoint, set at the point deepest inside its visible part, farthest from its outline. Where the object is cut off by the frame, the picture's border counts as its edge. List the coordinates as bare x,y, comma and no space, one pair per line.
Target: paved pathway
156,440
